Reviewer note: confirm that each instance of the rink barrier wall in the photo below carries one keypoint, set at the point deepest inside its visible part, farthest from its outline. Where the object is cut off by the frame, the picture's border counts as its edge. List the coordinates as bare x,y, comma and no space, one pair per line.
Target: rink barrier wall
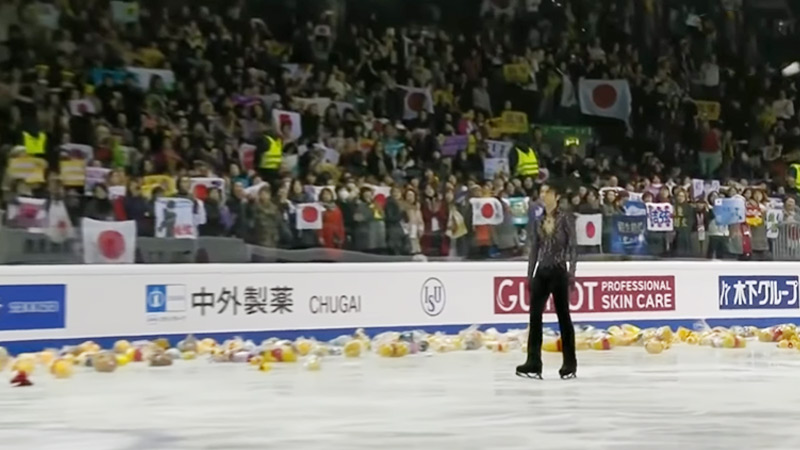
51,306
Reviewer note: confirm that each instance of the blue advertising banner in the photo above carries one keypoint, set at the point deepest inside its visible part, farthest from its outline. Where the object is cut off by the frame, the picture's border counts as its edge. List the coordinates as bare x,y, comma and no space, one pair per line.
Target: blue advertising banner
628,235
32,306
758,292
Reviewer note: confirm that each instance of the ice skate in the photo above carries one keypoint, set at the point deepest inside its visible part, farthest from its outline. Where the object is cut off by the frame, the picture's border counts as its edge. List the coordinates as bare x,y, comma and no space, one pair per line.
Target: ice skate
567,372
530,370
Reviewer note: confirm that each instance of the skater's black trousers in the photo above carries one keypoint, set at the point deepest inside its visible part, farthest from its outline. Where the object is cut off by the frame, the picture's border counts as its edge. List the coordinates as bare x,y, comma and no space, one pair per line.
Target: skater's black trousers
546,281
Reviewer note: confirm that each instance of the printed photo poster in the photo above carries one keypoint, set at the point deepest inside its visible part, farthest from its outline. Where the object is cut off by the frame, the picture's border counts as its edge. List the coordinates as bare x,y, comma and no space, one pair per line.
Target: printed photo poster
290,119
660,217
701,188
175,218
519,207
729,211
774,218
247,156
494,166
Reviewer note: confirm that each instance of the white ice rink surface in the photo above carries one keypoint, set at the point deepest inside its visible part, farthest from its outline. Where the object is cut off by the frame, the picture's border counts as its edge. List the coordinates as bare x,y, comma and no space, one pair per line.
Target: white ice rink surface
685,398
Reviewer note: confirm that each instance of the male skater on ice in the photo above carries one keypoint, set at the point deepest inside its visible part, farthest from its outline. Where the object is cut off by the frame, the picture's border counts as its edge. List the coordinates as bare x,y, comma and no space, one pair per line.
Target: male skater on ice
553,249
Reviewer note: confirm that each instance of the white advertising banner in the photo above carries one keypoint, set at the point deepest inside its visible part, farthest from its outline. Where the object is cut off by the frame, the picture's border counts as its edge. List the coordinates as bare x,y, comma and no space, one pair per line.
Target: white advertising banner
325,299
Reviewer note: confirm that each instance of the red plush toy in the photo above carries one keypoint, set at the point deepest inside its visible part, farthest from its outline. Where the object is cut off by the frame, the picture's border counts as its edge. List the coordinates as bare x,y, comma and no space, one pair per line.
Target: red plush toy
21,379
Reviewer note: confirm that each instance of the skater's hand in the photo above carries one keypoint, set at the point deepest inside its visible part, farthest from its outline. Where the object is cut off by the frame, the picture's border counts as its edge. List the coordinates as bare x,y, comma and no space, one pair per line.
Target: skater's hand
571,283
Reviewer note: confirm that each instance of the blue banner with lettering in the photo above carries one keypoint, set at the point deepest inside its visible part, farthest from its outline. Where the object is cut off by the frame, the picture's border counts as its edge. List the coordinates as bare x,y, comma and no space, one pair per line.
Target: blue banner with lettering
628,235
759,292
32,306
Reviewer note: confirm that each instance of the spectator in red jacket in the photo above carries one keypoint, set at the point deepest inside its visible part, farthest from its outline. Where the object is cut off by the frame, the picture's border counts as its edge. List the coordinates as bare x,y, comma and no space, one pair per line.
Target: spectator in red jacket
332,233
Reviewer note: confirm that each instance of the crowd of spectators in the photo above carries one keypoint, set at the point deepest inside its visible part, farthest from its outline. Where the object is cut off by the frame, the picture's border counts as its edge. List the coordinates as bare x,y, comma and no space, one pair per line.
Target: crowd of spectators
235,62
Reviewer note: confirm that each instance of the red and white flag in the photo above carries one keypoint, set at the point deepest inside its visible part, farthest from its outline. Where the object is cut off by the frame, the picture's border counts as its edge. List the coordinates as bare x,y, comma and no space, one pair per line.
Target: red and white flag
416,100
59,225
589,229
486,211
281,118
381,194
309,216
605,98
108,242
201,186
27,212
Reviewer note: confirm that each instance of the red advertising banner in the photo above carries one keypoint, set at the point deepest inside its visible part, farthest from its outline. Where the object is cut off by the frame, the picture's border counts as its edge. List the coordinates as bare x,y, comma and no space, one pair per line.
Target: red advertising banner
593,295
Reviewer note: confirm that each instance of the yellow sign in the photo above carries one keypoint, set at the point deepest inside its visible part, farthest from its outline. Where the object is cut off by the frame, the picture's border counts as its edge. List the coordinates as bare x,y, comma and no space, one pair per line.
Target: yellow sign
517,73
73,172
515,121
708,110
27,168
166,182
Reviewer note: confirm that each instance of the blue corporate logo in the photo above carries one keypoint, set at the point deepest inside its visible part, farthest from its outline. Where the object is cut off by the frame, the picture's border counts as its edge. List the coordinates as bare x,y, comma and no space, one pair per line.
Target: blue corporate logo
165,298
758,292
32,306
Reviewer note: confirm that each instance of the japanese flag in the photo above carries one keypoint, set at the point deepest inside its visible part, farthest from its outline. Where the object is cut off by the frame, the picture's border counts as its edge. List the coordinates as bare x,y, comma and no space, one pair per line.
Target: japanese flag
416,100
108,242
309,216
486,211
281,118
381,193
605,98
201,186
588,229
26,212
59,227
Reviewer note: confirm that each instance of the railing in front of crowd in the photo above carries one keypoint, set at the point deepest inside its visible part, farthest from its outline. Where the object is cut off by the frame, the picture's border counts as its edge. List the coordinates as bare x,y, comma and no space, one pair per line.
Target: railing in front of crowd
618,238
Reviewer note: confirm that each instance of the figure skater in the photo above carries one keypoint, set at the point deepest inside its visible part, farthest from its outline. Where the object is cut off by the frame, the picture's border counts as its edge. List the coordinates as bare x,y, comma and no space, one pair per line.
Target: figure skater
551,270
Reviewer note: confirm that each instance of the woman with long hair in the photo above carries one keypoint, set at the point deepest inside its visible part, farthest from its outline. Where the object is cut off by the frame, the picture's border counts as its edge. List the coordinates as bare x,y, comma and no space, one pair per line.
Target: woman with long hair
551,270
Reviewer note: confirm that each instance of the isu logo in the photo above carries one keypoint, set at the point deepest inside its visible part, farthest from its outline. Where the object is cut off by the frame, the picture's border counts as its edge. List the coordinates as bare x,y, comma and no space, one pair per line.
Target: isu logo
433,296
593,295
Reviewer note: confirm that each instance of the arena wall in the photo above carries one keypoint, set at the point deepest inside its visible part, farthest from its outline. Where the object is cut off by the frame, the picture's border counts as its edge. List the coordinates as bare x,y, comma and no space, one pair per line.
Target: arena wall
49,306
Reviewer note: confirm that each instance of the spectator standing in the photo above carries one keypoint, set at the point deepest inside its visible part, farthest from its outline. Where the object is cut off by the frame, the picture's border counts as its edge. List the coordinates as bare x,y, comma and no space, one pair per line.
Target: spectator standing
267,220
370,231
99,207
684,224
717,234
332,234
434,241
710,155
416,226
396,237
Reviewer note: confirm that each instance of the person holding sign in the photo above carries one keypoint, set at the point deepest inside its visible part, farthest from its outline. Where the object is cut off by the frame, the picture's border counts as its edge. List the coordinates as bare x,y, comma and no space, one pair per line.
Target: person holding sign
551,270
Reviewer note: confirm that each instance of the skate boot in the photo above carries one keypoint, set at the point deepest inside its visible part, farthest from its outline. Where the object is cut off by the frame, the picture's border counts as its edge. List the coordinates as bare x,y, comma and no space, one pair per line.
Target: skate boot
568,371
530,370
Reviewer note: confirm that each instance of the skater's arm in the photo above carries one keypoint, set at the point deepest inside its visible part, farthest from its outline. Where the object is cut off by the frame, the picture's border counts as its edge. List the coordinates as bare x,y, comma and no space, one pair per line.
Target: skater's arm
533,238
572,245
